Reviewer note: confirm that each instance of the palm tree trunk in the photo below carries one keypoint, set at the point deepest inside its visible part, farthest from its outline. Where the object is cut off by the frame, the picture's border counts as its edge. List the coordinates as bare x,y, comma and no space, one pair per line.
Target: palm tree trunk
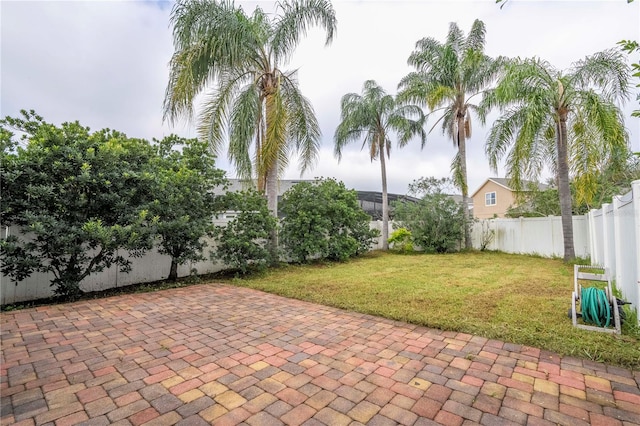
270,169
385,202
272,204
564,190
462,152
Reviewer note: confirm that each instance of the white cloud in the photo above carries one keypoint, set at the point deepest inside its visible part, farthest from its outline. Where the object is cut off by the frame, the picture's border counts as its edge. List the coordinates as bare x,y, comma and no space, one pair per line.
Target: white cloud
106,65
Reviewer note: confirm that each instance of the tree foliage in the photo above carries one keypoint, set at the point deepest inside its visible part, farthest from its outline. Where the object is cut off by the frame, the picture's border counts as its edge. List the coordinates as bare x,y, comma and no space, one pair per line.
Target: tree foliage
256,106
632,46
242,243
436,221
401,240
323,220
75,198
568,121
374,116
448,76
613,180
184,203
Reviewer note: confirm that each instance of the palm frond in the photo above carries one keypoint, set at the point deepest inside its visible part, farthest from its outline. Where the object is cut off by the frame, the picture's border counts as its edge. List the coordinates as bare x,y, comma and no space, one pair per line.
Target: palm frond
414,88
276,118
354,119
439,95
608,71
200,53
456,173
455,38
292,24
214,116
243,127
598,135
408,122
303,131
476,39
425,53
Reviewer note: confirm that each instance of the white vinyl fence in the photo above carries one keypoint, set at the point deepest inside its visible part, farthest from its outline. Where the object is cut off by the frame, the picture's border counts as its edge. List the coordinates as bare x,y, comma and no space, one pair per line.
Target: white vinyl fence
610,236
531,235
151,267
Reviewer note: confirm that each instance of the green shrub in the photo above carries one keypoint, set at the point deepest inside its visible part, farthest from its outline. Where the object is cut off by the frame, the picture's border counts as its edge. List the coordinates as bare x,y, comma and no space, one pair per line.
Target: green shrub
401,240
80,196
436,221
242,243
323,220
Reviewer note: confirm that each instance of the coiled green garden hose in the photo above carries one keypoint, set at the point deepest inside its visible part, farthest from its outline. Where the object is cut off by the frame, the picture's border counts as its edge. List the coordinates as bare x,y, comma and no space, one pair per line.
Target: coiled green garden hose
595,307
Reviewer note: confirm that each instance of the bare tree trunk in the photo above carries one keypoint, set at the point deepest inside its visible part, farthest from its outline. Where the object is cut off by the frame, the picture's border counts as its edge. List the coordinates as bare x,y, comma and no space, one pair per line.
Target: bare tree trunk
564,190
462,152
173,272
385,202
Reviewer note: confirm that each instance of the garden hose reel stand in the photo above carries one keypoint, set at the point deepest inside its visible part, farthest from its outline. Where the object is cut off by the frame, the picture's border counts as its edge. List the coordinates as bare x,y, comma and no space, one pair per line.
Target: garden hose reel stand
603,301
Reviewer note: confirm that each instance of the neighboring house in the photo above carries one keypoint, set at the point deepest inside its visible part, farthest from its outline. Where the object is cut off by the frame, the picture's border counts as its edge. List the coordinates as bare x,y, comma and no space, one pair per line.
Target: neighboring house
495,196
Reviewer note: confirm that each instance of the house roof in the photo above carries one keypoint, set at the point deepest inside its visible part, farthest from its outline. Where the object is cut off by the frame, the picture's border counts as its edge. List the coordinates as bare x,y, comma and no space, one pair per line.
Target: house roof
504,182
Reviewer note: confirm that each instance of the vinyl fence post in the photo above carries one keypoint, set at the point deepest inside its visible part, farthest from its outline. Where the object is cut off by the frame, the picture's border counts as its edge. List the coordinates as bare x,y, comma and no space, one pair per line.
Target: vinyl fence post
617,238
606,259
635,188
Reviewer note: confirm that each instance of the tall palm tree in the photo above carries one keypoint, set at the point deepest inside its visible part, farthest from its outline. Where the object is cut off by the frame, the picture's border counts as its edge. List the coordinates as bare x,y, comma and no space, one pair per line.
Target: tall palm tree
448,75
374,115
254,103
567,121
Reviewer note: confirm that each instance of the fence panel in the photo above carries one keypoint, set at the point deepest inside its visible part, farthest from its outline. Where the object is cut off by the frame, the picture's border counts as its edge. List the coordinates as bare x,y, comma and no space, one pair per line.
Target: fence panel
535,235
610,236
626,257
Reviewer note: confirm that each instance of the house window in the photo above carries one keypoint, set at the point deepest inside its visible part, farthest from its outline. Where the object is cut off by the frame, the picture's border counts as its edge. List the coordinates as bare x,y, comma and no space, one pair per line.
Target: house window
490,199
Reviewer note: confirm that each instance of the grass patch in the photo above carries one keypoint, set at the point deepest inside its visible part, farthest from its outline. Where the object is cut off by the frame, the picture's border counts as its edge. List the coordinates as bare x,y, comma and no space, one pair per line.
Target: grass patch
515,298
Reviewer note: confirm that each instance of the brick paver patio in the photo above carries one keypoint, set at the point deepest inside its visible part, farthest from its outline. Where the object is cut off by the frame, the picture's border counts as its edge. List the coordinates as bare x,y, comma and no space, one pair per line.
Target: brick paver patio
224,355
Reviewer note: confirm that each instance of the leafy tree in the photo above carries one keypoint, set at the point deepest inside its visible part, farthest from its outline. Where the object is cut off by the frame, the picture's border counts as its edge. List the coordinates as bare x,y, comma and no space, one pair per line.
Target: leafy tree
436,221
375,115
566,120
536,204
242,242
184,203
75,197
254,99
448,76
631,46
613,180
323,220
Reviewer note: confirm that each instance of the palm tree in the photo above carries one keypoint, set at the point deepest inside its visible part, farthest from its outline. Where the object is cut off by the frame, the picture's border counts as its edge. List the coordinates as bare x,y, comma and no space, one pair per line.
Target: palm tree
253,101
567,121
448,75
374,115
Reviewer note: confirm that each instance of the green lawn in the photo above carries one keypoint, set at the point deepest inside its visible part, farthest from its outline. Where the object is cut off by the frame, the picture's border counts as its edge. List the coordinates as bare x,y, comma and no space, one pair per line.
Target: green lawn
518,299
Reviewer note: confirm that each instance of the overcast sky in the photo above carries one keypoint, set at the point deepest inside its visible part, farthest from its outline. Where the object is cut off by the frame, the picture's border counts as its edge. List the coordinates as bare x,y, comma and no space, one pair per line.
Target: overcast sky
105,64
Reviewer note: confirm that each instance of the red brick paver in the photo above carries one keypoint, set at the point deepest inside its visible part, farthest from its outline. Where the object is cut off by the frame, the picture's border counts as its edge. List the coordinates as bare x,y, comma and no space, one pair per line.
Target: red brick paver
214,354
